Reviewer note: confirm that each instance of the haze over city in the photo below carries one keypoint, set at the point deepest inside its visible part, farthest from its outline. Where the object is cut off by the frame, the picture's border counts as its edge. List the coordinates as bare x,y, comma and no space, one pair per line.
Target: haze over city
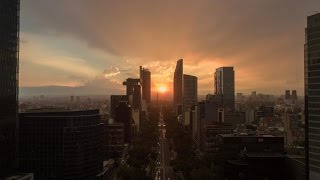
94,47
159,90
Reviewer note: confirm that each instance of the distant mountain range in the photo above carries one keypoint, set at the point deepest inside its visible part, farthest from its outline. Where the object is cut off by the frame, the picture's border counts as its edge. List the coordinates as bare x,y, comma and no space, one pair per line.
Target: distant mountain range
66,91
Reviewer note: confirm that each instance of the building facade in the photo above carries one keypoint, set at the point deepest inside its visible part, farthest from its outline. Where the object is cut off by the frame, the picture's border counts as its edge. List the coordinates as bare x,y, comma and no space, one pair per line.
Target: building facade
190,91
124,115
145,79
61,144
114,140
114,102
134,92
251,156
178,85
9,65
312,92
224,86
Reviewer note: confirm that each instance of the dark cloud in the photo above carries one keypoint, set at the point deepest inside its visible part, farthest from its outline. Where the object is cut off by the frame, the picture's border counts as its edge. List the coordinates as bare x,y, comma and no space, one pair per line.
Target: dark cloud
260,37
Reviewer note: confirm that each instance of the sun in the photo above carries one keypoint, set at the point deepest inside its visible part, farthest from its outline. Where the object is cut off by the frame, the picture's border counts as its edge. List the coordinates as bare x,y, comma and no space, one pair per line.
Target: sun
162,89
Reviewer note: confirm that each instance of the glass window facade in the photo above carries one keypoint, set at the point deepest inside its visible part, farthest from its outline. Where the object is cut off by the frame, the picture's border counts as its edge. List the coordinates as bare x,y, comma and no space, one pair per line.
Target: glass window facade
312,85
9,56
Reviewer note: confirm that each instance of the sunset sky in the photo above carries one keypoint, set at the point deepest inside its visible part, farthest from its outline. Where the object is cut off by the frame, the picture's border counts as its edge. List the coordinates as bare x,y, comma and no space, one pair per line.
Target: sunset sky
99,43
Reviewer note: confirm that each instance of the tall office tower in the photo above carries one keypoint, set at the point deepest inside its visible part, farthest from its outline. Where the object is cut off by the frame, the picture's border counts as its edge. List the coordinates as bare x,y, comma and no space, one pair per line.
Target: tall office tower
312,92
124,115
145,79
61,144
9,65
190,91
287,95
224,87
134,92
115,101
178,85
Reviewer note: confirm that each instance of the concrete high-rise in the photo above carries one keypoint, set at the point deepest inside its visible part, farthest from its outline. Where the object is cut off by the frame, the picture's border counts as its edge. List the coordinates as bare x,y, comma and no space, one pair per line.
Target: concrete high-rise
225,88
312,93
9,63
134,92
145,80
190,91
178,85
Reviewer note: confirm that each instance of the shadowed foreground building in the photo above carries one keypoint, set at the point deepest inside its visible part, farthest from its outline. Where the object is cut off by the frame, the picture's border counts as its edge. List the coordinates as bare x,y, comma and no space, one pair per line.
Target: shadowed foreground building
124,115
251,157
61,144
114,140
9,60
312,92
114,102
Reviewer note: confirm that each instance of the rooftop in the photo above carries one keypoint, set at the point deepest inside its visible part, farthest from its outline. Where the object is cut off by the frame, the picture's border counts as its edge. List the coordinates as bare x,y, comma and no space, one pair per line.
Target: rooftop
245,135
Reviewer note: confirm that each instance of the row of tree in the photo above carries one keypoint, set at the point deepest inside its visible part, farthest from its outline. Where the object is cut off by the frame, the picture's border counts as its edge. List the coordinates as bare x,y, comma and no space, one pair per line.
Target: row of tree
142,154
186,162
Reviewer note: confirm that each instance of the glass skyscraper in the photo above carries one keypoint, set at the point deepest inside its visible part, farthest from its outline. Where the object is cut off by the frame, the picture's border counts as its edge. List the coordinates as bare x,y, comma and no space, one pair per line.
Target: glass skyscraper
9,60
224,86
178,86
312,92
145,79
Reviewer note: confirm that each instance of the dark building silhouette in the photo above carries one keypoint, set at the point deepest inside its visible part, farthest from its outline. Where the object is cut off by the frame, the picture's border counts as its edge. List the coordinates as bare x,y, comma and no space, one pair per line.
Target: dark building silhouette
312,92
250,157
224,86
145,79
178,85
254,94
114,102
134,92
287,95
114,140
295,168
61,144
136,98
190,91
9,61
294,95
124,115
210,145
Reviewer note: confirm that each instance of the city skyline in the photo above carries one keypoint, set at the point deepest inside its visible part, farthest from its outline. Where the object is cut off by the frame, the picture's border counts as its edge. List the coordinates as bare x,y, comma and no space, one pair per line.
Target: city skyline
65,44
98,117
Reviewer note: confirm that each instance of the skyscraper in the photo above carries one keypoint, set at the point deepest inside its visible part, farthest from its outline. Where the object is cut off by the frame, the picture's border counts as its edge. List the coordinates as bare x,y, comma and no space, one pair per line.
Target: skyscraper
61,144
224,87
312,92
115,101
134,92
124,115
9,61
145,80
190,91
178,85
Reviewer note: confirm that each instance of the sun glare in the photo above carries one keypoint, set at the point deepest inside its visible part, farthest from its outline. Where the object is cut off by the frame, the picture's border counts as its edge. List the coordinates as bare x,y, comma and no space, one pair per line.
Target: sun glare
162,89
